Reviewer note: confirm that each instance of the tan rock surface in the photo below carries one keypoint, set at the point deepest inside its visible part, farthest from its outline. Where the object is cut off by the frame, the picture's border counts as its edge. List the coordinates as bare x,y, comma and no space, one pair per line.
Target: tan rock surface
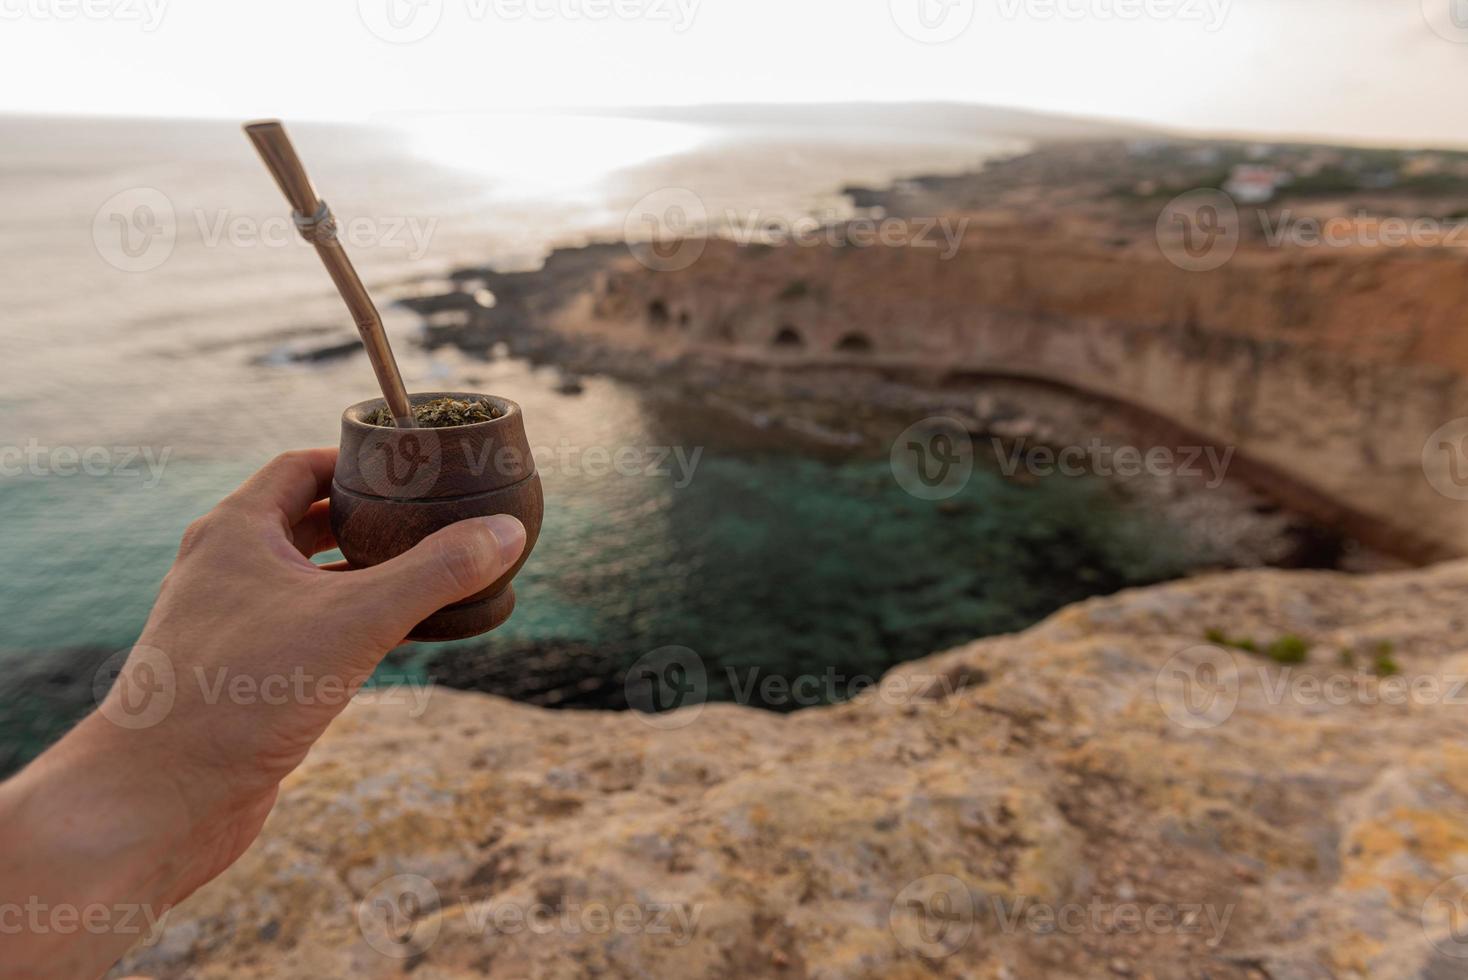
1065,811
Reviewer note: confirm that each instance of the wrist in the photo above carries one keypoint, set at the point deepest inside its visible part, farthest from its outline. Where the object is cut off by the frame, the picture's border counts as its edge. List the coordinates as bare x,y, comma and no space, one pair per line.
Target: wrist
101,800
94,863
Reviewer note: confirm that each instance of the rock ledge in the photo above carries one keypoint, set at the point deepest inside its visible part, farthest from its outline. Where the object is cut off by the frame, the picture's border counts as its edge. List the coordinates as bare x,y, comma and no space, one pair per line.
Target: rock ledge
1100,795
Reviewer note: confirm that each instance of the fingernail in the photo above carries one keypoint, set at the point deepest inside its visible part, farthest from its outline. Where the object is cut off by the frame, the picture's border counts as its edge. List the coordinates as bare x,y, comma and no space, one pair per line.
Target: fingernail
510,534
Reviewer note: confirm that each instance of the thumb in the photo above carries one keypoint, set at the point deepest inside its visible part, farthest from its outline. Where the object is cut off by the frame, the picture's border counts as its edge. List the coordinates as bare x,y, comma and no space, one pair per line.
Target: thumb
449,565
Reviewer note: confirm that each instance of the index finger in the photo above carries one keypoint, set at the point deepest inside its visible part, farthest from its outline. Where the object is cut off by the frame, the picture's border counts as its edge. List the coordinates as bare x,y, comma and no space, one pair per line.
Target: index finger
289,484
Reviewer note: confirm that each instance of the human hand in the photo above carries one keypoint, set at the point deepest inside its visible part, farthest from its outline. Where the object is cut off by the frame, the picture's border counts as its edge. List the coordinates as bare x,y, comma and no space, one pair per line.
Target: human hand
184,774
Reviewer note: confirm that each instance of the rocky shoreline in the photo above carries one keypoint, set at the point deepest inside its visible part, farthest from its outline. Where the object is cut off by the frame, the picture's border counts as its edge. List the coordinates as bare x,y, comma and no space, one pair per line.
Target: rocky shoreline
1061,317
572,314
1238,523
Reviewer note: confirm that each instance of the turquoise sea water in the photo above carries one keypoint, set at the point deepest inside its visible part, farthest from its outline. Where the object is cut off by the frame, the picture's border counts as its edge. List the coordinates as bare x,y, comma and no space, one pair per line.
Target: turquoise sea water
771,563
762,560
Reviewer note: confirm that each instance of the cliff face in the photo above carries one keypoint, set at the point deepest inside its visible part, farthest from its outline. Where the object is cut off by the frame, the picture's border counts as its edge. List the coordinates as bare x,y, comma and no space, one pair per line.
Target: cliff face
1329,370
1403,306
1096,796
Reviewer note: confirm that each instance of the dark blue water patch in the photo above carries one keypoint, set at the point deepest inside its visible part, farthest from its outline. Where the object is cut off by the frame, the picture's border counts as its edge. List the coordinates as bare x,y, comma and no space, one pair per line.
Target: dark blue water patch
774,565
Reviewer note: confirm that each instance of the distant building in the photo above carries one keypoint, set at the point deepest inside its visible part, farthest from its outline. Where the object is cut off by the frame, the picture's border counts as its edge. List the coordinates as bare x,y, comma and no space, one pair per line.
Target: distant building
1254,184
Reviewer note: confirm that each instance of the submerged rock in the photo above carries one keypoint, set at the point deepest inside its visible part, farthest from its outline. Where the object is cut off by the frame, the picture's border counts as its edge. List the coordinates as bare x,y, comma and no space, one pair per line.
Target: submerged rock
1100,795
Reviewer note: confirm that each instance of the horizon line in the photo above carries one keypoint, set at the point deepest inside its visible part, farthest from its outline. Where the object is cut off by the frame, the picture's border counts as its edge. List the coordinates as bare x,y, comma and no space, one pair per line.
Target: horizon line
1145,127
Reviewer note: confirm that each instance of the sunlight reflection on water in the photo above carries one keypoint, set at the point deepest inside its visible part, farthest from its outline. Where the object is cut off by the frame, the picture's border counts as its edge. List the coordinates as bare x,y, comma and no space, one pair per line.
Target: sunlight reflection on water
522,155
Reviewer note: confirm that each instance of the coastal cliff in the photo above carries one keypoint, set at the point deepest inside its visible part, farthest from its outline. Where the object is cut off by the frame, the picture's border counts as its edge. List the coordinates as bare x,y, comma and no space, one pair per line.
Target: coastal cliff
1327,373
1332,369
1101,795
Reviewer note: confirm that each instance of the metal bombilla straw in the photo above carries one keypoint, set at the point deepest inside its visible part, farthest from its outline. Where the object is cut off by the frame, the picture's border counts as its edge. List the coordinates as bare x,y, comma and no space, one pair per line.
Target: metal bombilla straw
316,224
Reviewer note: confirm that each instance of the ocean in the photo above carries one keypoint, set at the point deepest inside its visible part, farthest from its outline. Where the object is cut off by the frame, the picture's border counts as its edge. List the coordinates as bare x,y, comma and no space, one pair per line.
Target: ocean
156,300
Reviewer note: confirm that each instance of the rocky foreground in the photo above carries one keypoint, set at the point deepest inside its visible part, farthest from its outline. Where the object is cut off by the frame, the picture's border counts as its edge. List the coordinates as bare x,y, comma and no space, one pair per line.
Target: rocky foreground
1097,796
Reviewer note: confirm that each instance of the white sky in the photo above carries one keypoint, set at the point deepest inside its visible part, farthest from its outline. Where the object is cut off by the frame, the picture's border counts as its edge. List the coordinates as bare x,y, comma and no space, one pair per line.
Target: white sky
1364,69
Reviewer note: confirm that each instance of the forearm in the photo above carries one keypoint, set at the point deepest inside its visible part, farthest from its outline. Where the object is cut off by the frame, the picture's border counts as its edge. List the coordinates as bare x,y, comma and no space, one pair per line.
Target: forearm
96,845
